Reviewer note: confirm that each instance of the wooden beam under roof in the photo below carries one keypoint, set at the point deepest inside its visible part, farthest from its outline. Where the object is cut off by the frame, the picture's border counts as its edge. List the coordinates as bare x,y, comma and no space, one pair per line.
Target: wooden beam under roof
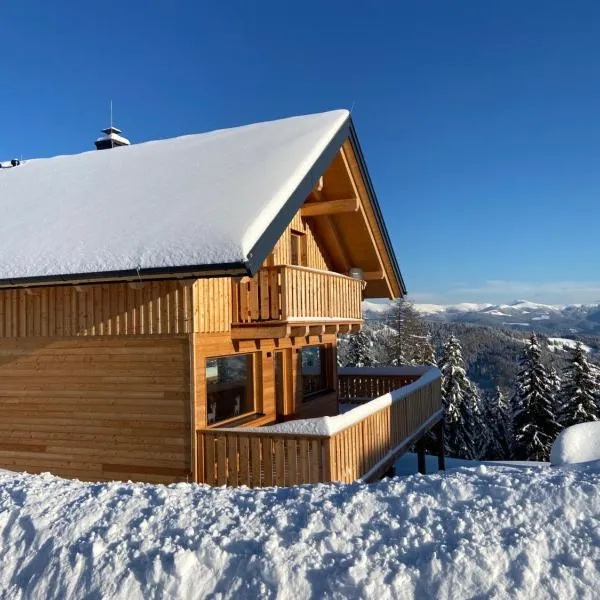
330,207
331,232
365,217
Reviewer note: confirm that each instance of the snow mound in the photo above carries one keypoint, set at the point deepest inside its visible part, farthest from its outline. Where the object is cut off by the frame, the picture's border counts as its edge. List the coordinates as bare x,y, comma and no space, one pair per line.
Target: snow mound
577,444
483,532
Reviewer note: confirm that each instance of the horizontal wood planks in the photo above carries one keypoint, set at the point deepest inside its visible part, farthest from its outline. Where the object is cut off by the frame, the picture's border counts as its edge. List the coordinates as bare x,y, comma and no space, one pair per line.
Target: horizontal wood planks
96,408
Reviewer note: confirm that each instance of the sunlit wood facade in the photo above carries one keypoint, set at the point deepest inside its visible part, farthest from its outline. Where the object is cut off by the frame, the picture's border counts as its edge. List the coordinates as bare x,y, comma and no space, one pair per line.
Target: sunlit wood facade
120,379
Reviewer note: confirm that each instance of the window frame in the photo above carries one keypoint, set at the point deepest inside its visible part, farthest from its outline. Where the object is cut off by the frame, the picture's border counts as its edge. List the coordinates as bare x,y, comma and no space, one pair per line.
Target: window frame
251,382
325,357
300,236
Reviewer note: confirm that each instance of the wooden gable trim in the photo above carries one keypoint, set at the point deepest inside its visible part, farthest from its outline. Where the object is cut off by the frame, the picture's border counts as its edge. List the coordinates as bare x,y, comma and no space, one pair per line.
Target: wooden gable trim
372,211
311,180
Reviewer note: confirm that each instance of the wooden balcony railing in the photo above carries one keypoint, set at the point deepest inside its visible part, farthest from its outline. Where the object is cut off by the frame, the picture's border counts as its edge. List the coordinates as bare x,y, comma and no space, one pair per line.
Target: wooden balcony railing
360,444
355,386
291,293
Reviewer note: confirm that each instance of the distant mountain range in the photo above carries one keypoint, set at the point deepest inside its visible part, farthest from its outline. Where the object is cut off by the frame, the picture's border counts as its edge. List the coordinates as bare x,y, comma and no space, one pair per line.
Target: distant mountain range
583,319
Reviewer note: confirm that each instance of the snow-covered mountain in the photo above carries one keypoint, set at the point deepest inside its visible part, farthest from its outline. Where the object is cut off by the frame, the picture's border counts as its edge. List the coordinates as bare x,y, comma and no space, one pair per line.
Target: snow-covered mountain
521,314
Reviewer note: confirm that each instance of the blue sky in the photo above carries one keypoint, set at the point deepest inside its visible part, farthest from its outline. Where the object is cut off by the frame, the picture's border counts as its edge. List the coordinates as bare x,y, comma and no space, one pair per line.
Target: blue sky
480,121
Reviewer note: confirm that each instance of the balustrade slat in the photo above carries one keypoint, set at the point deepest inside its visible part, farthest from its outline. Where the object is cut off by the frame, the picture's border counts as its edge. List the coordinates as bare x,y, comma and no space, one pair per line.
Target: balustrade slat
232,463
267,449
256,461
244,473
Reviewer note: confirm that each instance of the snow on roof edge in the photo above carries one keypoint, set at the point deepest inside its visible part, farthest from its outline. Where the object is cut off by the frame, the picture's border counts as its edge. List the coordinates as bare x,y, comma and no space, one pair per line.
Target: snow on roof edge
259,241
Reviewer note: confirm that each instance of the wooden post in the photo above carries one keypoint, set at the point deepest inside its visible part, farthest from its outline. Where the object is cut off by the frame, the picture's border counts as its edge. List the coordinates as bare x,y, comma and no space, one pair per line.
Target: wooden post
439,434
421,457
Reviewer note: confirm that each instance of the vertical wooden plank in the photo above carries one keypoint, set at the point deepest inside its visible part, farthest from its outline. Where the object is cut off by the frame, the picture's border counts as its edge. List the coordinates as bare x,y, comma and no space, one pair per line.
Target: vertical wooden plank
22,313
43,296
256,461
235,301
233,458
267,453
7,313
156,308
304,468
244,312
274,294
285,276
209,462
279,463
2,312
264,294
329,459
292,456
221,460
316,460
244,473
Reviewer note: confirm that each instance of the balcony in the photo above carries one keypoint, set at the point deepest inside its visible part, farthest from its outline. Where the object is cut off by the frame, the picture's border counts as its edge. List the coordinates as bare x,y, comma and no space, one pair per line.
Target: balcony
359,445
290,300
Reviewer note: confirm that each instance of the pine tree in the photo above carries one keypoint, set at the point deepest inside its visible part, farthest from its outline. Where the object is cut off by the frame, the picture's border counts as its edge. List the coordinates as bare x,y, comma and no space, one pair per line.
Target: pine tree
580,392
360,350
408,345
535,425
462,410
556,386
499,421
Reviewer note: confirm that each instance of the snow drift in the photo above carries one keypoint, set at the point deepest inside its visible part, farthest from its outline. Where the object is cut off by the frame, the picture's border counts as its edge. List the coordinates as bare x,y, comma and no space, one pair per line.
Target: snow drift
577,444
475,532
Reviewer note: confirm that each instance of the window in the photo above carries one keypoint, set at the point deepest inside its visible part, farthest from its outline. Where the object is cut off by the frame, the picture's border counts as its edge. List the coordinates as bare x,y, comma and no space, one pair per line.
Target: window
229,387
298,252
315,377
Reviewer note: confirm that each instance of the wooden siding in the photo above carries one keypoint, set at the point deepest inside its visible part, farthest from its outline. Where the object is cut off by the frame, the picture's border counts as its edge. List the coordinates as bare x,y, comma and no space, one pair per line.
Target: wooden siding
315,257
257,458
96,408
213,305
285,293
150,308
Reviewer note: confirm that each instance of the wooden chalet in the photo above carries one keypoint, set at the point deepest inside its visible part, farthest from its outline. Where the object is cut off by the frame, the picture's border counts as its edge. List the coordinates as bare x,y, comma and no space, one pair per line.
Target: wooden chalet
169,311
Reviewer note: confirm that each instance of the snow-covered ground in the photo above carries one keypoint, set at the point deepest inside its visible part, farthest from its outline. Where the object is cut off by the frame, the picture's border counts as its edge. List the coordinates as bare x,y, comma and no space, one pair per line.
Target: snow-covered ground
484,532
556,343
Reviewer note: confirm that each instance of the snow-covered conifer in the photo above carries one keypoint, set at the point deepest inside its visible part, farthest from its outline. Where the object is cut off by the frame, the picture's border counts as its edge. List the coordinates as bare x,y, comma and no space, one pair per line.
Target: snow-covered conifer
360,350
580,393
462,405
499,421
535,425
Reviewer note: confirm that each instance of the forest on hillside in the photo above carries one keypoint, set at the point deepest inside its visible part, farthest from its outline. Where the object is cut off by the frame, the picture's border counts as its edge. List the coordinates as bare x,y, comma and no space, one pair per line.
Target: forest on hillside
506,393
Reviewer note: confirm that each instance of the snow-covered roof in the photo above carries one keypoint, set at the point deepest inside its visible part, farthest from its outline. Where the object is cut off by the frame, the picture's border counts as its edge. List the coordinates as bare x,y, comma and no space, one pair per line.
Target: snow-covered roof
215,200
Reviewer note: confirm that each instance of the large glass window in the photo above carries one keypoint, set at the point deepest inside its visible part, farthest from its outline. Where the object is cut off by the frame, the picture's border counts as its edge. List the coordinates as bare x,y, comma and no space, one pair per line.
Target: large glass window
229,387
314,370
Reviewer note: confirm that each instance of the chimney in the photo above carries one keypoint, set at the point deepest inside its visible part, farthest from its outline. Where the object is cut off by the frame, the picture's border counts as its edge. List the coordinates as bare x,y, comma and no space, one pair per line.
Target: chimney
111,139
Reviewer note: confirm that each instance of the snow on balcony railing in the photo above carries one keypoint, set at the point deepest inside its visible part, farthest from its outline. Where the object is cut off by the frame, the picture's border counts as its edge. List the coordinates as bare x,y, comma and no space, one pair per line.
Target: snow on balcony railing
341,448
